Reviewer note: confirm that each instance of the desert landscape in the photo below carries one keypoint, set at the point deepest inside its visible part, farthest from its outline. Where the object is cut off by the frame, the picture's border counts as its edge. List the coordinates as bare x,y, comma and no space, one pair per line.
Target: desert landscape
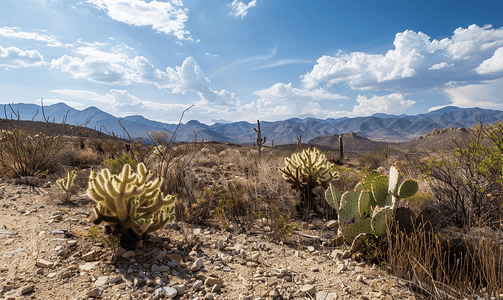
240,229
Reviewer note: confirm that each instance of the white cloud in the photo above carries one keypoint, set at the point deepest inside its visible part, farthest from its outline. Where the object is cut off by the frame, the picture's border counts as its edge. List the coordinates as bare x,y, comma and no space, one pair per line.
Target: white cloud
93,68
283,101
13,57
440,66
239,9
493,64
389,104
486,95
14,32
405,68
165,17
116,67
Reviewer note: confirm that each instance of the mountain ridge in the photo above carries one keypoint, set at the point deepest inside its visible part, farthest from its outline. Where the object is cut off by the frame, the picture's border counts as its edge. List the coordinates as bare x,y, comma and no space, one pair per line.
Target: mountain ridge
378,127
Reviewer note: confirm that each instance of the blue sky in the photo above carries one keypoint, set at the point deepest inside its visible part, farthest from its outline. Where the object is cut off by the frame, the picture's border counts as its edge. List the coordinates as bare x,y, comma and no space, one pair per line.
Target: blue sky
248,60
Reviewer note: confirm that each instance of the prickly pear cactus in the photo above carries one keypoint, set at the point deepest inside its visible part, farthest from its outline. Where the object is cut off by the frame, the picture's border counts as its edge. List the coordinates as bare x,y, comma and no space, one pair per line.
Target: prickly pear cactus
129,201
371,205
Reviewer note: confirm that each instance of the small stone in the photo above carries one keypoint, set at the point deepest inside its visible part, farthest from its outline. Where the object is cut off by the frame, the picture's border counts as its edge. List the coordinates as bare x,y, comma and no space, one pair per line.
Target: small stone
197,265
137,281
44,263
310,248
359,269
101,281
90,256
71,242
149,282
160,255
216,288
94,293
359,278
197,231
156,268
332,224
169,292
128,254
197,285
172,264
89,266
56,217
117,279
315,269
209,296
59,231
210,281
322,295
180,289
120,251
220,245
308,288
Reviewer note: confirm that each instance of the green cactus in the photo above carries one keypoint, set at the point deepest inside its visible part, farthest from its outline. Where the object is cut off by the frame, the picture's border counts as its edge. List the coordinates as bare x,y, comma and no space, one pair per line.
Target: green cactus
129,201
306,170
370,207
65,184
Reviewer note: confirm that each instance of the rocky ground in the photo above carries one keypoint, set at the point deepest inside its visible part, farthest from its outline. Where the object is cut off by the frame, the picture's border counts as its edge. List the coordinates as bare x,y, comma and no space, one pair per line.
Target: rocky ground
46,253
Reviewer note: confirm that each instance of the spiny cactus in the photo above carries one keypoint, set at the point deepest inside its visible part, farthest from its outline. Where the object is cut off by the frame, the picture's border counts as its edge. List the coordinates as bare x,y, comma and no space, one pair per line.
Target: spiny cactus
129,201
260,140
371,205
65,184
306,170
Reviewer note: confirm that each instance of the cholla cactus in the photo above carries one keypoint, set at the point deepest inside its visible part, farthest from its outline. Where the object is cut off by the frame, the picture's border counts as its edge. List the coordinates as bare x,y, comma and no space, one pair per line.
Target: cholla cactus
129,201
371,205
65,184
308,169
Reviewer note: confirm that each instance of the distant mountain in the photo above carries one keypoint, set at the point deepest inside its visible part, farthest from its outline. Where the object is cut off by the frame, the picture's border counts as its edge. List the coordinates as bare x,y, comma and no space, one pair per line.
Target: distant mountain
378,127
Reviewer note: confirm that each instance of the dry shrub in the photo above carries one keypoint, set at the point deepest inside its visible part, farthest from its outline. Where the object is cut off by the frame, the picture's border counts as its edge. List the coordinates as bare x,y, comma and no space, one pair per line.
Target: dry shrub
80,158
447,266
371,160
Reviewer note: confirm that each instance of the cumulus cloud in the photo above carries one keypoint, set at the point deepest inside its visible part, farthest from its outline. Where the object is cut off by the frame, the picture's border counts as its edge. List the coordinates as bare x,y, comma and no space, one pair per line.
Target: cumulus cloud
165,17
239,9
493,64
485,95
15,32
13,57
408,67
282,100
390,104
115,67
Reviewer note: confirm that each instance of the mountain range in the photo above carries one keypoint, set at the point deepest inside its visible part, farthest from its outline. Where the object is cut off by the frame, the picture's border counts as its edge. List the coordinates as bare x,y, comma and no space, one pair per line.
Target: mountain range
378,127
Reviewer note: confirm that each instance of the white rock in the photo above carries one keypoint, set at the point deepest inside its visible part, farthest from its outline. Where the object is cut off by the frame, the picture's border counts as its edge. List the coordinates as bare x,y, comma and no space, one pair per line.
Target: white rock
197,265
160,255
310,289
44,263
94,293
101,281
156,268
89,266
181,288
322,295
169,292
89,256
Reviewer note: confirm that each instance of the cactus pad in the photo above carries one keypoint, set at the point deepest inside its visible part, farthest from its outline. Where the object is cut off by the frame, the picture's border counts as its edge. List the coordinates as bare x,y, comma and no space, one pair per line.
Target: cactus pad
359,187
394,179
380,220
380,189
349,207
405,219
333,197
408,189
428,219
354,228
364,204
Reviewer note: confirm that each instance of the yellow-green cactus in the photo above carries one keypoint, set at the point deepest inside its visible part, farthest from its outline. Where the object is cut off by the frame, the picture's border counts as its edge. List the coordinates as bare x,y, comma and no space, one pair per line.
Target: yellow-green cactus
65,184
308,168
129,201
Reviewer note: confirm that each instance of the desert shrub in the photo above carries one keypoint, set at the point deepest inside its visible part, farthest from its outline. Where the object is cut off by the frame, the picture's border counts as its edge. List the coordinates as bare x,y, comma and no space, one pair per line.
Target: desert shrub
371,160
80,158
26,150
467,183
447,266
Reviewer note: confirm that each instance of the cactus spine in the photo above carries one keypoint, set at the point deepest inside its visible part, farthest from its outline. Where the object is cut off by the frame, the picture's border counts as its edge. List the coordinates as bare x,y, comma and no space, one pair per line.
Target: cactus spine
371,205
129,201
260,141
